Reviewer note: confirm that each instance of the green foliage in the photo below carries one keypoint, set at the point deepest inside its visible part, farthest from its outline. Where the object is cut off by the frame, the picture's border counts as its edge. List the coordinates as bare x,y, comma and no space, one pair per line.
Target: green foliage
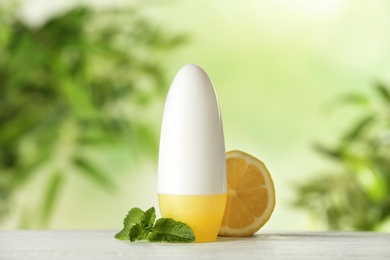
139,225
169,230
137,233
77,83
357,195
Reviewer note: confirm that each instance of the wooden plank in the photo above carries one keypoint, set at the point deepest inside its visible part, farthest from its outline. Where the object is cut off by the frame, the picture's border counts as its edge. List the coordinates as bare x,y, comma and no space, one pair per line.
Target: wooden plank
100,244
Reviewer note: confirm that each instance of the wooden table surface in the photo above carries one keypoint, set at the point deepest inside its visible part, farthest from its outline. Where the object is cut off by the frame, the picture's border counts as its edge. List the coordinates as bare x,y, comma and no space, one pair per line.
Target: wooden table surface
100,244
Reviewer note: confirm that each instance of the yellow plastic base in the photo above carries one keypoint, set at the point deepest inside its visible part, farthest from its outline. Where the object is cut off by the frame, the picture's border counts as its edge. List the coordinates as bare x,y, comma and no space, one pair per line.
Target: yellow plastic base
203,213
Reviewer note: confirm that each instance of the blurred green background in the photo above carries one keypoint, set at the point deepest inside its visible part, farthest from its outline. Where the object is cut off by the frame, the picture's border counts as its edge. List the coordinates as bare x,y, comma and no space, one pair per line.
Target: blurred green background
302,85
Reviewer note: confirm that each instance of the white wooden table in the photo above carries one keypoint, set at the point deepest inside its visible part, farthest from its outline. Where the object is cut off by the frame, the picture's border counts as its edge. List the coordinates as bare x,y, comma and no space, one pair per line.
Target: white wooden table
100,244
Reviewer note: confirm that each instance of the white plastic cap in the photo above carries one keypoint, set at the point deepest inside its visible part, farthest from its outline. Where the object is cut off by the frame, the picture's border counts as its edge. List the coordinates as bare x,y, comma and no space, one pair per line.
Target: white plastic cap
192,157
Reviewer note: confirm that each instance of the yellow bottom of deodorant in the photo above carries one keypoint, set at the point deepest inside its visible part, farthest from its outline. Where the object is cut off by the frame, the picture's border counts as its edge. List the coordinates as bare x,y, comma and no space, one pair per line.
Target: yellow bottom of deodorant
203,213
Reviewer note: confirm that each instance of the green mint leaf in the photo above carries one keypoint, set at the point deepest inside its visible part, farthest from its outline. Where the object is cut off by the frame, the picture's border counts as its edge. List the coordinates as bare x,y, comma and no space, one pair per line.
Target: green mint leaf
137,233
169,230
148,219
134,216
139,225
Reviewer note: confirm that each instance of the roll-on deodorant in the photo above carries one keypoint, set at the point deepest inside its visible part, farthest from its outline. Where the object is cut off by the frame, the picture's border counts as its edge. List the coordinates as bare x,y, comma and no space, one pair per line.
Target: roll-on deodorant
192,162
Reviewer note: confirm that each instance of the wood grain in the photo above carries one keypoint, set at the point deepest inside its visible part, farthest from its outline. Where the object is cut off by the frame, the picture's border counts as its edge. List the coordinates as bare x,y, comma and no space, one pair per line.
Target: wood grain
100,244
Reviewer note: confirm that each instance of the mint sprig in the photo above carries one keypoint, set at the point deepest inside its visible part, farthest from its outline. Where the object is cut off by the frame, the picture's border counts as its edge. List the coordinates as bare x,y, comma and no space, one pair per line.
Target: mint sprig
139,225
169,230
134,216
